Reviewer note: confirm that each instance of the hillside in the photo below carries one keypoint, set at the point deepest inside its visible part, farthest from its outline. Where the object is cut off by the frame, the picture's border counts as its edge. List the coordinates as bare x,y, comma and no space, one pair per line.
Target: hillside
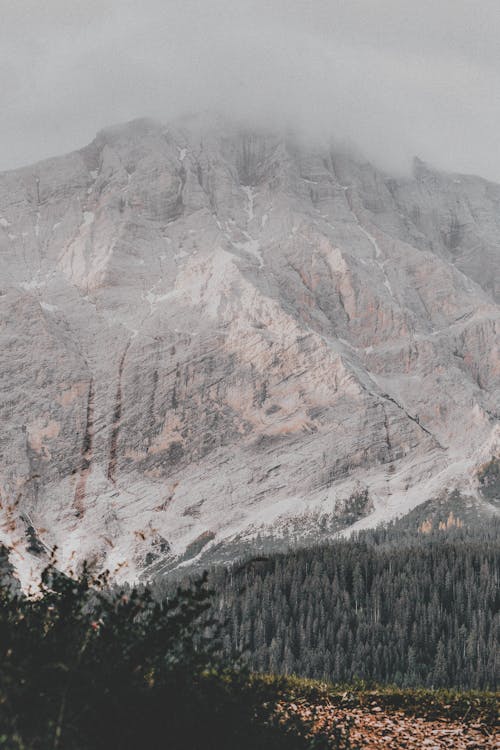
209,333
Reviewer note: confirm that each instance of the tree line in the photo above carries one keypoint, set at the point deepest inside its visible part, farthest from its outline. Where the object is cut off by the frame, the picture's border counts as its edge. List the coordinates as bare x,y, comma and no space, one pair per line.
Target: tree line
389,606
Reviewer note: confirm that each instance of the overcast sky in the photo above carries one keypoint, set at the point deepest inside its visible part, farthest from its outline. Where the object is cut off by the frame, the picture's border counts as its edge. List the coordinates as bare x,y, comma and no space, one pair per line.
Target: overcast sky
396,77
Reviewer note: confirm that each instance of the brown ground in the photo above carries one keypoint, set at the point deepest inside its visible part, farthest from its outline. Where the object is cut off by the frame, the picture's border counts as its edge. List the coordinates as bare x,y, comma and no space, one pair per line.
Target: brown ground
373,728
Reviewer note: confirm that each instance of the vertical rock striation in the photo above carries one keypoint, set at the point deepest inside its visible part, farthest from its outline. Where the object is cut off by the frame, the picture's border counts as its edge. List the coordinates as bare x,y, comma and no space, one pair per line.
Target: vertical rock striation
208,333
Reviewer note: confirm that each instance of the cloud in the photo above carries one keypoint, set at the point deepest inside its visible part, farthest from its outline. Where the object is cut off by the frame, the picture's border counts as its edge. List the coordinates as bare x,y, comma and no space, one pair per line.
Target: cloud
394,77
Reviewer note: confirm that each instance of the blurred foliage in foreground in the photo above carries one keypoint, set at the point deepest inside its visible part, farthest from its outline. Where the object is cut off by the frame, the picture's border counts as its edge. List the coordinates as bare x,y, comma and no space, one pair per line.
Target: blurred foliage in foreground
87,666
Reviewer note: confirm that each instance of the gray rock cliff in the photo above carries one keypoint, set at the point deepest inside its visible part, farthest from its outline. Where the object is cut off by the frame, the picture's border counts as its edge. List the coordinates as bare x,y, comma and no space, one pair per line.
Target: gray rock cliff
208,333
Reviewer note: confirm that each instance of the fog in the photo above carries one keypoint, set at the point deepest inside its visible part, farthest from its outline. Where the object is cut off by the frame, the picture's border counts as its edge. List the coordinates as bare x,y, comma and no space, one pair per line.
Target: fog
396,78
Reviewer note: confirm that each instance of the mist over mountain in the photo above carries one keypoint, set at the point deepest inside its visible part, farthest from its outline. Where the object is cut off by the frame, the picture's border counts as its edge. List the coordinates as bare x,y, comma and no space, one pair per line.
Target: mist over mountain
210,332
394,78
249,374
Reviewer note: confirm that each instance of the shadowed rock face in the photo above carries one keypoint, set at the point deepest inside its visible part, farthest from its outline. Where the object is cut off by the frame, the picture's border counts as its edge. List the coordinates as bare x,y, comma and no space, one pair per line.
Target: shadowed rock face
206,332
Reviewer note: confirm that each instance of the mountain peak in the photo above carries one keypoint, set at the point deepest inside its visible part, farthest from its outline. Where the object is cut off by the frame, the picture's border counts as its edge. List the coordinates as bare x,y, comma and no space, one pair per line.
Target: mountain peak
212,332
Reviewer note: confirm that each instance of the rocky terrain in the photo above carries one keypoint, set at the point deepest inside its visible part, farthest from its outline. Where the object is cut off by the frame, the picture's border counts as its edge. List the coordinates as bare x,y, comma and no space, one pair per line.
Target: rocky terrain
209,333
371,727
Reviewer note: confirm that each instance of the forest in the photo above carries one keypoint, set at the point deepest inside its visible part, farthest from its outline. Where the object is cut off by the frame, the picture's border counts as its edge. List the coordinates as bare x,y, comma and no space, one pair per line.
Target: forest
219,661
388,606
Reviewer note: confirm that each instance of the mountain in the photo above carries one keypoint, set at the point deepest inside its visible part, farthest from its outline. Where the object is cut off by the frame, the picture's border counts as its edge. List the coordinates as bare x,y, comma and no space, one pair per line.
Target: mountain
208,333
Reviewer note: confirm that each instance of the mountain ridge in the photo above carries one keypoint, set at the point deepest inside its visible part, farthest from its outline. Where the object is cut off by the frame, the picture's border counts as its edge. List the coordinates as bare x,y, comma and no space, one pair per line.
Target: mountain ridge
224,330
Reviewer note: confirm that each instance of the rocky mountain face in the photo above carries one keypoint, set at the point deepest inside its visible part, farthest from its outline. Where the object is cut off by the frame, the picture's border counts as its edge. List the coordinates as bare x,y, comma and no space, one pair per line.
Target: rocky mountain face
208,333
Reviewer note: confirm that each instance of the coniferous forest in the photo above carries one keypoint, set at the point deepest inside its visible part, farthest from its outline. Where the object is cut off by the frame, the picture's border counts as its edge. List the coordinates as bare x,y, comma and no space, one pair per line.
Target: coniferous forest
389,606
86,664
